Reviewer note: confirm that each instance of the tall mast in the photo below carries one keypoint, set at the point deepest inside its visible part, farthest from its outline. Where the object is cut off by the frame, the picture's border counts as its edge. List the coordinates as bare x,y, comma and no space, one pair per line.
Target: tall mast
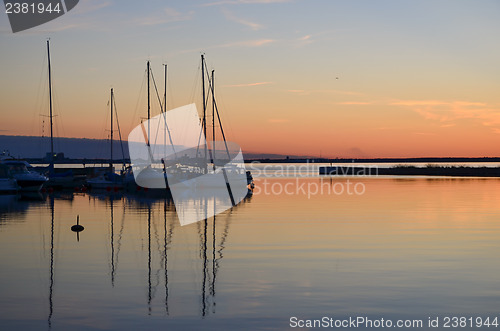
149,103
215,110
165,91
144,133
204,104
111,156
213,118
51,166
165,115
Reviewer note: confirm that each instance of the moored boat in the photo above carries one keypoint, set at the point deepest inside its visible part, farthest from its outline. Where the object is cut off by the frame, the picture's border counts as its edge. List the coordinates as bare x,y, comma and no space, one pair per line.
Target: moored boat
185,156
8,185
107,181
26,180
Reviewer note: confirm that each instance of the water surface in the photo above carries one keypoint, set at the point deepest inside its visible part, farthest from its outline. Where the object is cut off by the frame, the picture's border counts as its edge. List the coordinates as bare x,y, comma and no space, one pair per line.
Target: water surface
399,248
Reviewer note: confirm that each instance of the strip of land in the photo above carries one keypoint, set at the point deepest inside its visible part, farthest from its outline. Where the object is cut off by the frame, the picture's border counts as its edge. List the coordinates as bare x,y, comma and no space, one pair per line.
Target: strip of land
411,171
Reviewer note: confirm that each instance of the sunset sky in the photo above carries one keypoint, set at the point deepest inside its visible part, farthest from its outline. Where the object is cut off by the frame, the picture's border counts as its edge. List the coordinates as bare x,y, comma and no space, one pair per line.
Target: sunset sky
385,78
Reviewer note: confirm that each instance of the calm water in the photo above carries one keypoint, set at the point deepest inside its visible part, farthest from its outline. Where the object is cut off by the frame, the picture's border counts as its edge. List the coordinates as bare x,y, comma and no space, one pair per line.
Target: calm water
304,247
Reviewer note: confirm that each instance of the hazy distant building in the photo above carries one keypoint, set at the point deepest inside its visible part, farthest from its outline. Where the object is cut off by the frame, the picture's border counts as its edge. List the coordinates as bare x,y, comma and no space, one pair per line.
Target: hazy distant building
57,157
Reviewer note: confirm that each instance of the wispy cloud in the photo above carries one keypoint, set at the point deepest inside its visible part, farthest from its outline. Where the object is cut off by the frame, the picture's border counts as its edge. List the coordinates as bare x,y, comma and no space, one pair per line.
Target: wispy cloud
304,40
250,84
231,17
308,92
299,92
244,43
242,2
354,103
448,112
57,28
250,43
167,15
90,6
436,103
444,111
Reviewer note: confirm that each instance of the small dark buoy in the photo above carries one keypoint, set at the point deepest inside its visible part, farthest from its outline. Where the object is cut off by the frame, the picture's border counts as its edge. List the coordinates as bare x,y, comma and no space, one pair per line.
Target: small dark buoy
77,227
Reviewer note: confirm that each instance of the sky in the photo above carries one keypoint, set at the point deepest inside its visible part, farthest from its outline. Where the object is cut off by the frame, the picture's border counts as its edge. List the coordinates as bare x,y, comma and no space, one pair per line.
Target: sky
330,78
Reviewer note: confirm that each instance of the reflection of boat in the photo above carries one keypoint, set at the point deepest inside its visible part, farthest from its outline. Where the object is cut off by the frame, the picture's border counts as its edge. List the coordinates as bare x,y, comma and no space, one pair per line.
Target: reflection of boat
7,203
11,210
16,205
51,278
26,180
65,180
32,196
250,182
128,179
7,183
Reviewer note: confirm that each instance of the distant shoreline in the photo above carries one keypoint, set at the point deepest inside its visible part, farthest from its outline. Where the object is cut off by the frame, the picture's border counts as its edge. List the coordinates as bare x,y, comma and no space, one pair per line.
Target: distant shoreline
381,160
407,170
429,160
78,150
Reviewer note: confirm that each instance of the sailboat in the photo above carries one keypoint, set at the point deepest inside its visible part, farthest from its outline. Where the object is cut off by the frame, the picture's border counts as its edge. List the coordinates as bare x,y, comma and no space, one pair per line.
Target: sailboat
150,176
176,155
108,180
215,114
63,179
